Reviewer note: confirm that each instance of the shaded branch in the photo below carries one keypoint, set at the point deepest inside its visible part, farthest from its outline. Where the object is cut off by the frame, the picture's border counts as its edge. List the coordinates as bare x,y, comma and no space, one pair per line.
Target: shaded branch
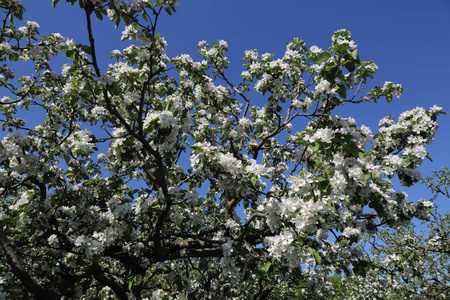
114,283
248,222
21,273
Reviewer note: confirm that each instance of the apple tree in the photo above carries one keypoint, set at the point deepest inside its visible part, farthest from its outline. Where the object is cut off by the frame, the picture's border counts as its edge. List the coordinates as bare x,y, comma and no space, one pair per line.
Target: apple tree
160,178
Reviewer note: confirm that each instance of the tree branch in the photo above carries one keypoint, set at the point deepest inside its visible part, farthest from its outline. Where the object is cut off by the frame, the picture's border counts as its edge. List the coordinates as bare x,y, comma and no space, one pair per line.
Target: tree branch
21,273
113,283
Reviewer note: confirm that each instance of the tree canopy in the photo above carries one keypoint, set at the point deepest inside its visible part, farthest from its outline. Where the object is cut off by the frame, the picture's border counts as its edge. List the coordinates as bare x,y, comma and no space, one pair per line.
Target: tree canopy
406,262
160,178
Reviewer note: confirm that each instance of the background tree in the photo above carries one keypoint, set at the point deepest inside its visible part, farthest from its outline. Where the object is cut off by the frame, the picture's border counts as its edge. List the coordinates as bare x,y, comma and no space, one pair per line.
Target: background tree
409,263
151,180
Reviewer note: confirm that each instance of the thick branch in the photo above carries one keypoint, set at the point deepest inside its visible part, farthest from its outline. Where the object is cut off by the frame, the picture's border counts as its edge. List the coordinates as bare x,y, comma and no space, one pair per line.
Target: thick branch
114,284
21,273
229,207
42,188
194,243
126,258
248,222
71,280
193,253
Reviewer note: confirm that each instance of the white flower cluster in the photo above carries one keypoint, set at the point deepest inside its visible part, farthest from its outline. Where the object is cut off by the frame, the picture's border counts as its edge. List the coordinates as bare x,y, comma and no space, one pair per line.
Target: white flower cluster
30,30
353,177
280,245
307,219
231,164
13,147
315,49
105,80
414,130
304,104
323,86
81,143
343,36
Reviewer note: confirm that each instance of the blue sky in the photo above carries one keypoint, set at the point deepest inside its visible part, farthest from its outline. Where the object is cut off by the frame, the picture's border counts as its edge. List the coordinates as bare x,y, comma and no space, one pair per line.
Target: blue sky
408,39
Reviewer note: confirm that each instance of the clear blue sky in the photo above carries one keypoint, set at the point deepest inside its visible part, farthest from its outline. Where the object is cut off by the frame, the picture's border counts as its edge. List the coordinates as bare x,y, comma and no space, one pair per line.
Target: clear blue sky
408,39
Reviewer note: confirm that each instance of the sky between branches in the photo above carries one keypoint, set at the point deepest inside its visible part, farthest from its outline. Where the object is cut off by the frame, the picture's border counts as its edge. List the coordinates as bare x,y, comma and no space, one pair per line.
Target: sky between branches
408,40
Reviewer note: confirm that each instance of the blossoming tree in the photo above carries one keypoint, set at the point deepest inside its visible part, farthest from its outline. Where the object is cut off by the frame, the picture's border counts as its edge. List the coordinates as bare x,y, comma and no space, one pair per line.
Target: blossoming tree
160,178
406,263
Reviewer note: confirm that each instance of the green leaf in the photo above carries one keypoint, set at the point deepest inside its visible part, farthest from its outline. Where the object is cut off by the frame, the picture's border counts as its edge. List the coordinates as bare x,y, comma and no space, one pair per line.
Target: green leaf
320,178
322,56
331,206
354,54
314,147
99,14
267,266
117,22
70,54
349,65
13,56
366,177
330,66
335,101
389,97
86,49
342,91
55,2
168,10
316,255
131,282
353,149
341,48
317,95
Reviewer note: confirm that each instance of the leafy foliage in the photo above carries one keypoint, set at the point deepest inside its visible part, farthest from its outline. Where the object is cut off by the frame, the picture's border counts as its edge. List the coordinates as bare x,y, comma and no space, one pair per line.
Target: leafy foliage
407,263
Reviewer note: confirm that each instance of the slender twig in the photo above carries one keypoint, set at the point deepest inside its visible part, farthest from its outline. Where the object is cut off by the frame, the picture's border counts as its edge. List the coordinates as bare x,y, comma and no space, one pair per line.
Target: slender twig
4,23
